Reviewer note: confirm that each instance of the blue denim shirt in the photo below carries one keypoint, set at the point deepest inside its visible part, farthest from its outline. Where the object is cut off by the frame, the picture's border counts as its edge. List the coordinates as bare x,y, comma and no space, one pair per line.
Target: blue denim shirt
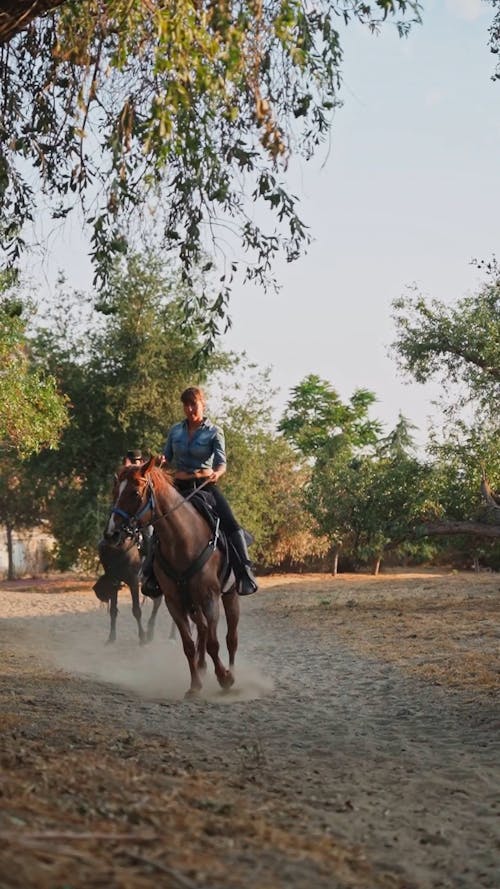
205,449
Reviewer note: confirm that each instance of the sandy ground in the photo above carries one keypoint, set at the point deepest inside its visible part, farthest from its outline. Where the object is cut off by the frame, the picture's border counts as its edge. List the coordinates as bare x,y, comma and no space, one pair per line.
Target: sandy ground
359,748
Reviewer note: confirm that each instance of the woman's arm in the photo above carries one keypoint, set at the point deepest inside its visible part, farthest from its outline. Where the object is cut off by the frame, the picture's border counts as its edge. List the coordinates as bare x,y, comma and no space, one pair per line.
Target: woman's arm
219,451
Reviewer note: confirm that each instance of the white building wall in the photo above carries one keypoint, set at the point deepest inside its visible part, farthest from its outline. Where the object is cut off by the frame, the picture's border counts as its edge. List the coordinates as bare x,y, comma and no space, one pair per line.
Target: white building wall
31,552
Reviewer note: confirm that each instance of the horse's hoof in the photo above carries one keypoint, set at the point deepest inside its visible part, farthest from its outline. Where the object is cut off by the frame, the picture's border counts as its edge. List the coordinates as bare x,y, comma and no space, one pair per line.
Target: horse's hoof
110,640
227,682
192,693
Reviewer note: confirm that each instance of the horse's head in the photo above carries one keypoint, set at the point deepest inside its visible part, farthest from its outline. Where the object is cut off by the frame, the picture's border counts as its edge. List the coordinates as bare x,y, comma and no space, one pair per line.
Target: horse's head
134,503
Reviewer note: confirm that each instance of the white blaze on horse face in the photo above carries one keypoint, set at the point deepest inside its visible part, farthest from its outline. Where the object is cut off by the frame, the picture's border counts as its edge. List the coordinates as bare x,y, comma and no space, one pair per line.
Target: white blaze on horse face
112,524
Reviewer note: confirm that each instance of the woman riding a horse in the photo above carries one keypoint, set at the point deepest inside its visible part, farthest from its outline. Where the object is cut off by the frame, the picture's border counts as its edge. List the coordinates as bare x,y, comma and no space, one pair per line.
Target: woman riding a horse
195,452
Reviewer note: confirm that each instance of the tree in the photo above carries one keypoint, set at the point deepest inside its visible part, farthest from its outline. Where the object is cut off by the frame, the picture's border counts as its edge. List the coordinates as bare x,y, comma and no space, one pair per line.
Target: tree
400,441
327,433
123,367
398,494
459,344
33,415
32,411
317,422
21,501
464,460
368,503
264,481
187,111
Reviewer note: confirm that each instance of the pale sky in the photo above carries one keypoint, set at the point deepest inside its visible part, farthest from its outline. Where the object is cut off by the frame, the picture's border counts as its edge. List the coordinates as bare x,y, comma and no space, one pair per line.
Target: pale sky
408,191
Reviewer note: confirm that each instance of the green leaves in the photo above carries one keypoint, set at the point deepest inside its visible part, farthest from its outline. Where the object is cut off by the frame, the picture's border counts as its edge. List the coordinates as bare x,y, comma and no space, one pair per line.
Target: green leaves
123,364
319,424
32,412
164,118
457,343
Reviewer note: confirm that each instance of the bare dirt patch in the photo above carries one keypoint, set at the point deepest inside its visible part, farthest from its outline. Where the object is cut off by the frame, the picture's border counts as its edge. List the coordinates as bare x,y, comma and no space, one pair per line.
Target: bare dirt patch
359,748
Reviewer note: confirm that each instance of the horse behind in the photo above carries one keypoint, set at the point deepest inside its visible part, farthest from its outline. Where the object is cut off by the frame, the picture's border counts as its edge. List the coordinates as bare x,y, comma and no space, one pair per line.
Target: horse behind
187,563
121,561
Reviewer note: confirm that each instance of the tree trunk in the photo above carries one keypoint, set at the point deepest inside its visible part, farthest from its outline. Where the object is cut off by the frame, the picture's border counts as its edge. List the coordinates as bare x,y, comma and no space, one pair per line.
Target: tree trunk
335,563
491,499
376,566
10,553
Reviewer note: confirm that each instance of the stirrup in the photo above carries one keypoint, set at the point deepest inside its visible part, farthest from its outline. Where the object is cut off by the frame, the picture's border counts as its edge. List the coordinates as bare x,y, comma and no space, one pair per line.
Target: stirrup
150,587
247,585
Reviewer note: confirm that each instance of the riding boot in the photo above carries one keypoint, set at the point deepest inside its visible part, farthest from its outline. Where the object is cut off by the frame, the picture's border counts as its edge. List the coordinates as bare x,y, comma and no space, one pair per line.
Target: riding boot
243,568
149,583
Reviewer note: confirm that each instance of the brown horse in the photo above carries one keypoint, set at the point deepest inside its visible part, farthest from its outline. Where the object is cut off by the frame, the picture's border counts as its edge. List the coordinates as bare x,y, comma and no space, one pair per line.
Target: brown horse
187,564
121,561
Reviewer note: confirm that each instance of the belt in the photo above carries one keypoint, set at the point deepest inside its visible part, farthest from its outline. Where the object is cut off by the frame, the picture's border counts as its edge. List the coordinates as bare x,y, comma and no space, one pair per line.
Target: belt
190,484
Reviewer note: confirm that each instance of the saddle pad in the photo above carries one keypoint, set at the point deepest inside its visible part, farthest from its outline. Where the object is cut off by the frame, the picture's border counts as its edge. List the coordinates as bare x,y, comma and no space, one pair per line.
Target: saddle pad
204,503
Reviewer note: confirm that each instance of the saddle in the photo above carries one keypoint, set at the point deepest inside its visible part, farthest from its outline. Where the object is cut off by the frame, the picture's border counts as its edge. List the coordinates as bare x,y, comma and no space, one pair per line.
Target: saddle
105,586
204,503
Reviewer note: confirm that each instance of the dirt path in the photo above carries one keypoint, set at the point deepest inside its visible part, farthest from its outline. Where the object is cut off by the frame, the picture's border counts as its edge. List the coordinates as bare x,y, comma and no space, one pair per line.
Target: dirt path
338,761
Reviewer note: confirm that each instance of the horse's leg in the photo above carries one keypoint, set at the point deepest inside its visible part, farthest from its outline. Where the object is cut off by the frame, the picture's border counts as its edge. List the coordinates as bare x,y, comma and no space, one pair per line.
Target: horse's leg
113,612
182,623
201,641
211,611
152,618
231,603
136,609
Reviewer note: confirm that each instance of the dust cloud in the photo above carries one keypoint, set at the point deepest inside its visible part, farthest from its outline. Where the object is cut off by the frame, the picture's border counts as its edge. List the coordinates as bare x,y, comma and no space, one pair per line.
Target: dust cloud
75,642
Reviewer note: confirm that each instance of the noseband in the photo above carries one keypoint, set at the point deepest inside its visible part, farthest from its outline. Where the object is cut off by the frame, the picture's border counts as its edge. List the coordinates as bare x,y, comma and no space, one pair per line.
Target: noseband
132,523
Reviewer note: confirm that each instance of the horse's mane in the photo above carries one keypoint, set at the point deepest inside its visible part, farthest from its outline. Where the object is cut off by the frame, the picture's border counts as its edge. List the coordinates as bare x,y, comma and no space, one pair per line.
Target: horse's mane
161,478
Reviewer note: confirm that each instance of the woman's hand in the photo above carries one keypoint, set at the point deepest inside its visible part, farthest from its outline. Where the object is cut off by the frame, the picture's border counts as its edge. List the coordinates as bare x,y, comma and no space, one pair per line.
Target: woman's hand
216,474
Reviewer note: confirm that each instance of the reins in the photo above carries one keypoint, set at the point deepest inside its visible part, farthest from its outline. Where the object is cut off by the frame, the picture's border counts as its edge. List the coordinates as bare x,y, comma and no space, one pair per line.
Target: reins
172,508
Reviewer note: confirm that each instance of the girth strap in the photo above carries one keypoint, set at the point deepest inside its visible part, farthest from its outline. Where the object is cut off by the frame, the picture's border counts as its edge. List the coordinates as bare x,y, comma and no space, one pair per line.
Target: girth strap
181,578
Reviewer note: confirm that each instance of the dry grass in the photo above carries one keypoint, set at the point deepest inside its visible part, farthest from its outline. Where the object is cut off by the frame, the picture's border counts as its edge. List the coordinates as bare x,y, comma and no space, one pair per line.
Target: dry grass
443,627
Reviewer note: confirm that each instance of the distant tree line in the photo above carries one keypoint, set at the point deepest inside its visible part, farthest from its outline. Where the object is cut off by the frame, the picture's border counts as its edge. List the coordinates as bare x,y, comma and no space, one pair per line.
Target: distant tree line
326,488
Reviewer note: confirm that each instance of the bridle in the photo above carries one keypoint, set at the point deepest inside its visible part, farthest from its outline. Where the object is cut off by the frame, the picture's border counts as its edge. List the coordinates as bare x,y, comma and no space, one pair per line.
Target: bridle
133,522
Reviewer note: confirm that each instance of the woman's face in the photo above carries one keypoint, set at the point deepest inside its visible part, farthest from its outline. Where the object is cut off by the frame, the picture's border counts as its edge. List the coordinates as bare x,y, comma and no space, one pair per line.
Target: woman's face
194,410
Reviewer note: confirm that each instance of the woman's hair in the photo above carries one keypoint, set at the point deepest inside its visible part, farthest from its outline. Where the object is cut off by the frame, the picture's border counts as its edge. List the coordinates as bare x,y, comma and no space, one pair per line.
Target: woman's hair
192,393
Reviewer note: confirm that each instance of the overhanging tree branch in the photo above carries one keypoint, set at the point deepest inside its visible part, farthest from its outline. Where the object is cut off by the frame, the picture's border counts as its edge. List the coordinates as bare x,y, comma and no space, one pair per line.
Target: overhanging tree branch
17,15
149,115
450,528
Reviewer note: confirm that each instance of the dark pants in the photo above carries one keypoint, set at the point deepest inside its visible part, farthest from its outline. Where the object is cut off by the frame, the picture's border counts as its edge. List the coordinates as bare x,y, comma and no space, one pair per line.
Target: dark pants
224,511
238,552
